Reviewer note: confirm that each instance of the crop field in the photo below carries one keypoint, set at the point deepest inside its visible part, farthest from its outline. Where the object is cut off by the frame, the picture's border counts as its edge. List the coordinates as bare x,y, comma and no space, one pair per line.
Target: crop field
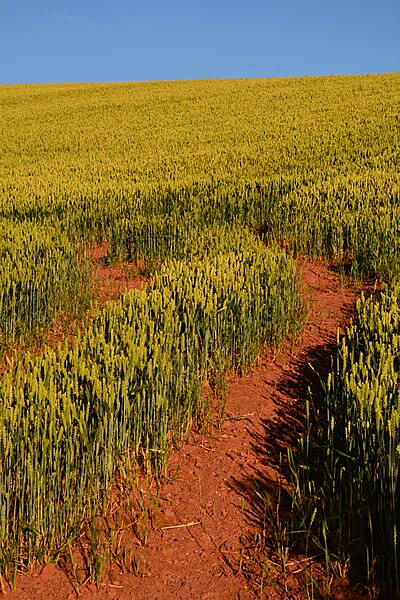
214,188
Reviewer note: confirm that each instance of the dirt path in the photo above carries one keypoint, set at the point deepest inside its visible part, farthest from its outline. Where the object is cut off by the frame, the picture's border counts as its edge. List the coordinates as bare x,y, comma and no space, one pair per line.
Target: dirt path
209,506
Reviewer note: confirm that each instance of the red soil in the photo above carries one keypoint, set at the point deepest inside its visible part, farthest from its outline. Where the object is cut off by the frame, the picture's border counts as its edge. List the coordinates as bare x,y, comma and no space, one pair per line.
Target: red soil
201,545
113,280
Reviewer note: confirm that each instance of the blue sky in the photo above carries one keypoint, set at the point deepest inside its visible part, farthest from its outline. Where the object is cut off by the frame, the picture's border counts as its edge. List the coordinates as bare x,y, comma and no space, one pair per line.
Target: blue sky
119,40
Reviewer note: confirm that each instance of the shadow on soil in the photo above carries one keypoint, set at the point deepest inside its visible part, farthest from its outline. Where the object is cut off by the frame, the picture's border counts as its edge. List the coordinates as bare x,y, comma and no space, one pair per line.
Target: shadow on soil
301,379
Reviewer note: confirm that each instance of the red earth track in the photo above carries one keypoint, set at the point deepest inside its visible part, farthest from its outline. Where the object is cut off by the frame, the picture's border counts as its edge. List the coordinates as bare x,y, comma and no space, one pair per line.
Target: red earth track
200,545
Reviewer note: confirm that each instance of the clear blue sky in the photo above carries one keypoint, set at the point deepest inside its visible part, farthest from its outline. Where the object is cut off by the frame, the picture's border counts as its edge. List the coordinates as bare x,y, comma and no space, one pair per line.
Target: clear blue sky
130,40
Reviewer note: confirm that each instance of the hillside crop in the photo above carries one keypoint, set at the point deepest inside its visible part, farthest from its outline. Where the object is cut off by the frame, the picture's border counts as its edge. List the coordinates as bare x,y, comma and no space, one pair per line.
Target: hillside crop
192,180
